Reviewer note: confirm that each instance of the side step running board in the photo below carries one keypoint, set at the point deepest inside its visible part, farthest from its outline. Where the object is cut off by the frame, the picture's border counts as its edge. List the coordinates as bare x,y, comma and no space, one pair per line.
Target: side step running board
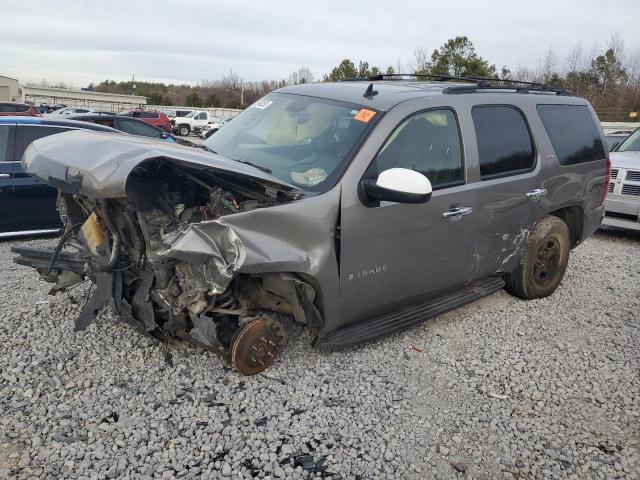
41,258
409,316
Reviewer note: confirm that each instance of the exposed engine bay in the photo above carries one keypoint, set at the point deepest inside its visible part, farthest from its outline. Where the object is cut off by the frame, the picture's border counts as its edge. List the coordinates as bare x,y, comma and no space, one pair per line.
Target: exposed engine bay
164,259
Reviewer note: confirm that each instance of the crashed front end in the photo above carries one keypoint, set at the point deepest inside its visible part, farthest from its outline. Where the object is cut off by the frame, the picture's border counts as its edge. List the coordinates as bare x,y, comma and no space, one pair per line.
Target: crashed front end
162,256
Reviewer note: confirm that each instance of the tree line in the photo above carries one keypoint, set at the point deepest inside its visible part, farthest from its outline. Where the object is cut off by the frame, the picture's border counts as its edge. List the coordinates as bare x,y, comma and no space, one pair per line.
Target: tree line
607,76
230,91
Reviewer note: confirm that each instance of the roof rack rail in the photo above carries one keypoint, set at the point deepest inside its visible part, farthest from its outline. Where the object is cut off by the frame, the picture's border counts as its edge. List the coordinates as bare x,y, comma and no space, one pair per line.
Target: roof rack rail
437,78
480,83
515,88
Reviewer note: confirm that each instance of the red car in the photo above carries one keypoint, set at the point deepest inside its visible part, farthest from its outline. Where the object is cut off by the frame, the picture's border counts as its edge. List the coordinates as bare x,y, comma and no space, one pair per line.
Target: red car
157,119
14,109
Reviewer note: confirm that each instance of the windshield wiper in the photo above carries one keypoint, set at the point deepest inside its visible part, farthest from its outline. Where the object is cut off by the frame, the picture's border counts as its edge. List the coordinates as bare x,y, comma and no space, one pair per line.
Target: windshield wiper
247,162
204,147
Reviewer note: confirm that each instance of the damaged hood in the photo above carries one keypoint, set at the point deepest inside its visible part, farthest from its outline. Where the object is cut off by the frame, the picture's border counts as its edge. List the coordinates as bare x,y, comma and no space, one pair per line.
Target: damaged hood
98,164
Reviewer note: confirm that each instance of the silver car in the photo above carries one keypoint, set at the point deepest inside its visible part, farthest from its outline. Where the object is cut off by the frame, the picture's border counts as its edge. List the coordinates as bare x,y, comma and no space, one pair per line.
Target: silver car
355,208
622,206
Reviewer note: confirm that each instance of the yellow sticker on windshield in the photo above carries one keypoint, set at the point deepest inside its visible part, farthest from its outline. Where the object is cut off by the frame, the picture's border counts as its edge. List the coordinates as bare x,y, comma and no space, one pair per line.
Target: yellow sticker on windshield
364,115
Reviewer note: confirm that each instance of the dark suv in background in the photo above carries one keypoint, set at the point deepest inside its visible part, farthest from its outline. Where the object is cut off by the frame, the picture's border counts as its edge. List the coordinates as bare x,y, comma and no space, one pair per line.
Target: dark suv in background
157,119
28,203
357,208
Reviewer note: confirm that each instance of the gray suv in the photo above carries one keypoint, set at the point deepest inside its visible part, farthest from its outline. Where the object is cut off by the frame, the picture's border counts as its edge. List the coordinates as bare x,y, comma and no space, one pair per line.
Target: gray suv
357,208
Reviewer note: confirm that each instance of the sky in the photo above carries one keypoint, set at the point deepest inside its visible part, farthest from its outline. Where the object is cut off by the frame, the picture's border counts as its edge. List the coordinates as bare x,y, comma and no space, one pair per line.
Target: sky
86,41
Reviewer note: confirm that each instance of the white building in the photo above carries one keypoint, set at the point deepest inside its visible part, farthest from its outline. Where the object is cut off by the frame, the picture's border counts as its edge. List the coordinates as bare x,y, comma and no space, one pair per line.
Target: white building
111,102
9,90
12,91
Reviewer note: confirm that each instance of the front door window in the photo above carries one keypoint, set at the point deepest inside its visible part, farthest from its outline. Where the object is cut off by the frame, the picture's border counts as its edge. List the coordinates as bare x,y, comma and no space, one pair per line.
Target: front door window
427,142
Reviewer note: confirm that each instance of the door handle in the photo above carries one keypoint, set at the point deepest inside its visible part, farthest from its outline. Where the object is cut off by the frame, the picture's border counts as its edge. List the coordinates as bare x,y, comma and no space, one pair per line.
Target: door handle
457,212
537,192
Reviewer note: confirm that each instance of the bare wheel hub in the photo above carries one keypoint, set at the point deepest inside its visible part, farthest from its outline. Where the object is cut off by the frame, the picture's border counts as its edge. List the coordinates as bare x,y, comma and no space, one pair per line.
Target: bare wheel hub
547,261
254,348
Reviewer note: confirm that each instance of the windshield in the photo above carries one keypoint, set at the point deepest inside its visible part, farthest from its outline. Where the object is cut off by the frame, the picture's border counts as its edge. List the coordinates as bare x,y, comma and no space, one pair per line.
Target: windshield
631,144
190,114
303,141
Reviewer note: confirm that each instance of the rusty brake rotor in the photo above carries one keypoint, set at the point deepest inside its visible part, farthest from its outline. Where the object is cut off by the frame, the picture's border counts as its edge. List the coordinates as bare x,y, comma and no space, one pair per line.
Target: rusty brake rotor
254,347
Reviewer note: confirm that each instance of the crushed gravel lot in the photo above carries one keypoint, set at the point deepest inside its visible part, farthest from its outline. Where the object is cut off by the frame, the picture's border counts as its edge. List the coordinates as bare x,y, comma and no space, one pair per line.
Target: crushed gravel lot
501,388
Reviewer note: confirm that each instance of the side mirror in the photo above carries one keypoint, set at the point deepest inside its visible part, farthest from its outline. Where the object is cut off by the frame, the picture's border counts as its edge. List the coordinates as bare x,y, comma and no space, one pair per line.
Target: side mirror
400,185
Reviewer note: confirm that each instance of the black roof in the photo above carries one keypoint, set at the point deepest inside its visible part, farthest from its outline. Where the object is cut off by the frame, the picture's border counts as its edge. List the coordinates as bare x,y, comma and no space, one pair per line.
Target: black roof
62,122
95,116
92,117
77,124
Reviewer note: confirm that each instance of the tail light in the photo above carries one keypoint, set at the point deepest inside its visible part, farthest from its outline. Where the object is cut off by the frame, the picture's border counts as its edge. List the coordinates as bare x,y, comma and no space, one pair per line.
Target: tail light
607,181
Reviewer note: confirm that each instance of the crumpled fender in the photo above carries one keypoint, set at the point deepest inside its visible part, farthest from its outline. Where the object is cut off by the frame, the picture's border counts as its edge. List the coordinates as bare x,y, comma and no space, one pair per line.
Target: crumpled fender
212,251
297,237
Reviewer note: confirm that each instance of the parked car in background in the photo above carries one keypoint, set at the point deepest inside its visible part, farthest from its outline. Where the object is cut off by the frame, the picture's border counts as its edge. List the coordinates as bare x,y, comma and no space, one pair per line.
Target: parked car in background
73,111
14,109
127,124
214,126
616,138
355,208
157,119
43,109
622,206
182,112
194,121
28,203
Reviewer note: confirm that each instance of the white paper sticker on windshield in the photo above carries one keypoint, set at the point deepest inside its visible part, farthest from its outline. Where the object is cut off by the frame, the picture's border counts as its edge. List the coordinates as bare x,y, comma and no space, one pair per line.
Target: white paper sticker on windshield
310,177
262,104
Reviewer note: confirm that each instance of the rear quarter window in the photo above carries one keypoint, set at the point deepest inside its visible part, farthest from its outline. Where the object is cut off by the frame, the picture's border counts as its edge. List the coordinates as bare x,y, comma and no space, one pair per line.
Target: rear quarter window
11,107
29,134
573,133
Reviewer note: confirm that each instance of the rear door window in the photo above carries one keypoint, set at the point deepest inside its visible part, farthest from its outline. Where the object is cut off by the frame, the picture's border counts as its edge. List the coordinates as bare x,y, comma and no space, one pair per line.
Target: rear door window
504,142
573,133
28,134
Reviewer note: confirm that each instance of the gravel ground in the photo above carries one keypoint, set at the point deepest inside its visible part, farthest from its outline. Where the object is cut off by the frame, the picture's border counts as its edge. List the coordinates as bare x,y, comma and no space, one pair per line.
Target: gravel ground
499,389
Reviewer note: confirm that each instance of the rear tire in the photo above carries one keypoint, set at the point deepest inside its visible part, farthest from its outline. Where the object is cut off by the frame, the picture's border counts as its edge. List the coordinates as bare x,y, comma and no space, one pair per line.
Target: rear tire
544,260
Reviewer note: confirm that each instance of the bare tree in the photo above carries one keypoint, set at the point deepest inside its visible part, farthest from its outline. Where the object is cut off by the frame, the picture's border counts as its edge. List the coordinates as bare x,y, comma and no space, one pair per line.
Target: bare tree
420,61
548,66
523,74
301,75
616,43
